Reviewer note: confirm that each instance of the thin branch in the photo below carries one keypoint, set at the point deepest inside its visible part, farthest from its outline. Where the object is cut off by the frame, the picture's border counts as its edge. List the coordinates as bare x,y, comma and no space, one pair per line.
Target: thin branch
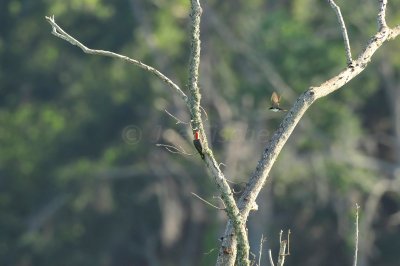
174,149
262,240
282,249
209,252
215,197
336,8
288,242
60,33
207,202
356,237
178,121
204,111
253,259
221,164
271,260
282,253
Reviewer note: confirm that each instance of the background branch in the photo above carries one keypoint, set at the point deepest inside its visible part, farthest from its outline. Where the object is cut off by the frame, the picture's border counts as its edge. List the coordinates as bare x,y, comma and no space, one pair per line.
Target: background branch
356,237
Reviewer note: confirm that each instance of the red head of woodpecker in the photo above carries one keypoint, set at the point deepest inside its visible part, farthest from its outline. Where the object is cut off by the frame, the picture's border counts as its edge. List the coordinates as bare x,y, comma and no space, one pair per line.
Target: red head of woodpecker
197,143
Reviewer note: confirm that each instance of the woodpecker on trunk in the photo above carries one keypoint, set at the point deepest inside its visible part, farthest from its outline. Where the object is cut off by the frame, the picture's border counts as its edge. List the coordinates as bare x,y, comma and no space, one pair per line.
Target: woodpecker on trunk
197,143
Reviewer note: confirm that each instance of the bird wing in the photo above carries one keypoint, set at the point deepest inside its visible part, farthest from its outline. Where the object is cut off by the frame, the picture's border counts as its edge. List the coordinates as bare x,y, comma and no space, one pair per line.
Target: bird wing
275,99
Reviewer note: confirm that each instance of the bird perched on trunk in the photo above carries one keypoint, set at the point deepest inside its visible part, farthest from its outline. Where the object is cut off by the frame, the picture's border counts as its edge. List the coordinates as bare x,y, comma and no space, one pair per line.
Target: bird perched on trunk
275,101
197,143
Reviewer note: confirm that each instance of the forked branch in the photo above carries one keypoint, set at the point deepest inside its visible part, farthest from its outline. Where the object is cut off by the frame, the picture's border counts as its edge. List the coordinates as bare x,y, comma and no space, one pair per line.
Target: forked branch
305,100
193,103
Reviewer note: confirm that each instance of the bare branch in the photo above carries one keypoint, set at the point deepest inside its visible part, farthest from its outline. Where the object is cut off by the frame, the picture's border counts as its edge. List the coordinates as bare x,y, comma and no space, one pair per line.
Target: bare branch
271,260
194,62
282,254
288,242
356,237
204,111
336,8
215,197
178,121
239,245
262,240
394,32
174,149
382,15
193,104
282,249
60,33
304,101
209,252
207,202
299,108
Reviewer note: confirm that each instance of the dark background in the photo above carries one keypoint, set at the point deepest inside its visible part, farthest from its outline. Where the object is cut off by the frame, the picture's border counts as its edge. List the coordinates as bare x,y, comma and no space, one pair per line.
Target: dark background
82,181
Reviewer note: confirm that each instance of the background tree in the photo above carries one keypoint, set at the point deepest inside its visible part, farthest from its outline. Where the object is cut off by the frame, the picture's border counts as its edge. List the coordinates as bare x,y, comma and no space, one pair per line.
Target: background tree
75,176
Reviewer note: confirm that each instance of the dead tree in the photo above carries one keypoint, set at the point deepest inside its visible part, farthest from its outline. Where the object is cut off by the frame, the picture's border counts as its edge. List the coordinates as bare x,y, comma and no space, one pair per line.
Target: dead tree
235,246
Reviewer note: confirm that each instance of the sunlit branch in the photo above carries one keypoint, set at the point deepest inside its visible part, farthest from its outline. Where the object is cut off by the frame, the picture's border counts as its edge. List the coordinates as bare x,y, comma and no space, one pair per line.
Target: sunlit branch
271,260
336,8
60,33
382,15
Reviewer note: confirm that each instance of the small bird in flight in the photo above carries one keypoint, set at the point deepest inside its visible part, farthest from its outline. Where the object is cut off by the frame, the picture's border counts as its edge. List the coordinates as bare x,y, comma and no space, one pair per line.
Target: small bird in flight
275,100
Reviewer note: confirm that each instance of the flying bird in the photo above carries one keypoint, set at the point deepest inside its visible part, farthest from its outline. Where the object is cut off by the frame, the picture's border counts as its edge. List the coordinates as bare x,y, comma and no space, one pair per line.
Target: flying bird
275,101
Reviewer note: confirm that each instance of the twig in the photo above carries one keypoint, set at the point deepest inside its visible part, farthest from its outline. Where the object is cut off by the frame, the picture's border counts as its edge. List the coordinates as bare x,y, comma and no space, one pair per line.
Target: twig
207,202
356,236
214,197
178,121
262,240
288,242
204,111
174,149
253,259
336,8
210,251
282,249
219,165
271,260
60,33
